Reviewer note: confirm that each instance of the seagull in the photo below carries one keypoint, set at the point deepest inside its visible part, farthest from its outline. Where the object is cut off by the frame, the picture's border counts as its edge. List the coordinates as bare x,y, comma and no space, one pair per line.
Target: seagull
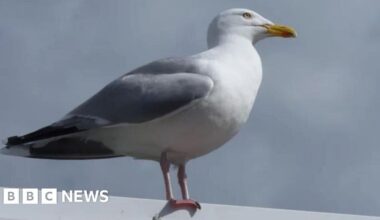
171,110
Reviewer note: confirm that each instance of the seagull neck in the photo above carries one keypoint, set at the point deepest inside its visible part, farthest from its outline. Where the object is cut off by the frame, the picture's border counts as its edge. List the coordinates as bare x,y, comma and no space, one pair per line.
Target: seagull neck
233,45
231,41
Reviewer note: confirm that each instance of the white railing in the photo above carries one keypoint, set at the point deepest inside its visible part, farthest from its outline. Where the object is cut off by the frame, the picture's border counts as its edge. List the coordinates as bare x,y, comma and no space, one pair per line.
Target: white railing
146,209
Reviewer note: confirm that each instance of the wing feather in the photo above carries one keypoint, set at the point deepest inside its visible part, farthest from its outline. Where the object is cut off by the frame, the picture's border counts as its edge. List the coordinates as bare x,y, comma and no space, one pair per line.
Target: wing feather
133,98
139,98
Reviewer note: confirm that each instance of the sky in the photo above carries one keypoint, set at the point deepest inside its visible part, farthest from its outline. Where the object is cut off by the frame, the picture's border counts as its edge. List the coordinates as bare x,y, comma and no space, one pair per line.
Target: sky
311,143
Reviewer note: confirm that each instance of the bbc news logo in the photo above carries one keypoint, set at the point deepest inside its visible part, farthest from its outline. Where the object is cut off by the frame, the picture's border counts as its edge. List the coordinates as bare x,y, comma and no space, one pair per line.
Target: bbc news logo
50,196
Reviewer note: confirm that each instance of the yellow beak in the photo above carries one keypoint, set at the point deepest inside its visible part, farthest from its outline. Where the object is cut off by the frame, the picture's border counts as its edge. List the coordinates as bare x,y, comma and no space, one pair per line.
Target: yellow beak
280,30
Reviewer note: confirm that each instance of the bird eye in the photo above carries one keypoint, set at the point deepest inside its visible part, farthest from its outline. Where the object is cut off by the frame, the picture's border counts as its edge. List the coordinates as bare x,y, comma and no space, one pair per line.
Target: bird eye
247,15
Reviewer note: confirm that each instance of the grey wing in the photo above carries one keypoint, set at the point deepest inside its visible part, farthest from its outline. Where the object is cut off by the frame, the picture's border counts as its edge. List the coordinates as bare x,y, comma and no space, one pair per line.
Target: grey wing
133,98
138,98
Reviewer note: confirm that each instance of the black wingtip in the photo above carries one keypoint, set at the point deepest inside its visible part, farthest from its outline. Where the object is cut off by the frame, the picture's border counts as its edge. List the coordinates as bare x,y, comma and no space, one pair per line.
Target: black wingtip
14,140
43,133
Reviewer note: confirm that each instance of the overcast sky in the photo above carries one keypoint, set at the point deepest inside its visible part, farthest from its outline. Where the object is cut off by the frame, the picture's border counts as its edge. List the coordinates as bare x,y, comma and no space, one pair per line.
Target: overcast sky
312,141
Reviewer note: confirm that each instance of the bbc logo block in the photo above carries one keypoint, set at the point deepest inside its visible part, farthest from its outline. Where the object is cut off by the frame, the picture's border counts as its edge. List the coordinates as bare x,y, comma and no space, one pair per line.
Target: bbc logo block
11,196
48,196
29,196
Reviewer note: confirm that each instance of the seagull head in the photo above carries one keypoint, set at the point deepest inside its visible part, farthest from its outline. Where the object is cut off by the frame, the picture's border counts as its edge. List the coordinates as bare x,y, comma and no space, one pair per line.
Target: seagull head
246,24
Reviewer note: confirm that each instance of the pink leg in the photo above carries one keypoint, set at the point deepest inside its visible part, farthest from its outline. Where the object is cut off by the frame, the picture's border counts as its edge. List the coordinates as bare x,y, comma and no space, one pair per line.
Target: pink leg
165,166
185,202
182,180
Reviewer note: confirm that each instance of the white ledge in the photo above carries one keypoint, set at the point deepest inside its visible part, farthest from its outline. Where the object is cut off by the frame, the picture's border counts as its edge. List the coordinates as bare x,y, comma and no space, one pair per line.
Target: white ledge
140,209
